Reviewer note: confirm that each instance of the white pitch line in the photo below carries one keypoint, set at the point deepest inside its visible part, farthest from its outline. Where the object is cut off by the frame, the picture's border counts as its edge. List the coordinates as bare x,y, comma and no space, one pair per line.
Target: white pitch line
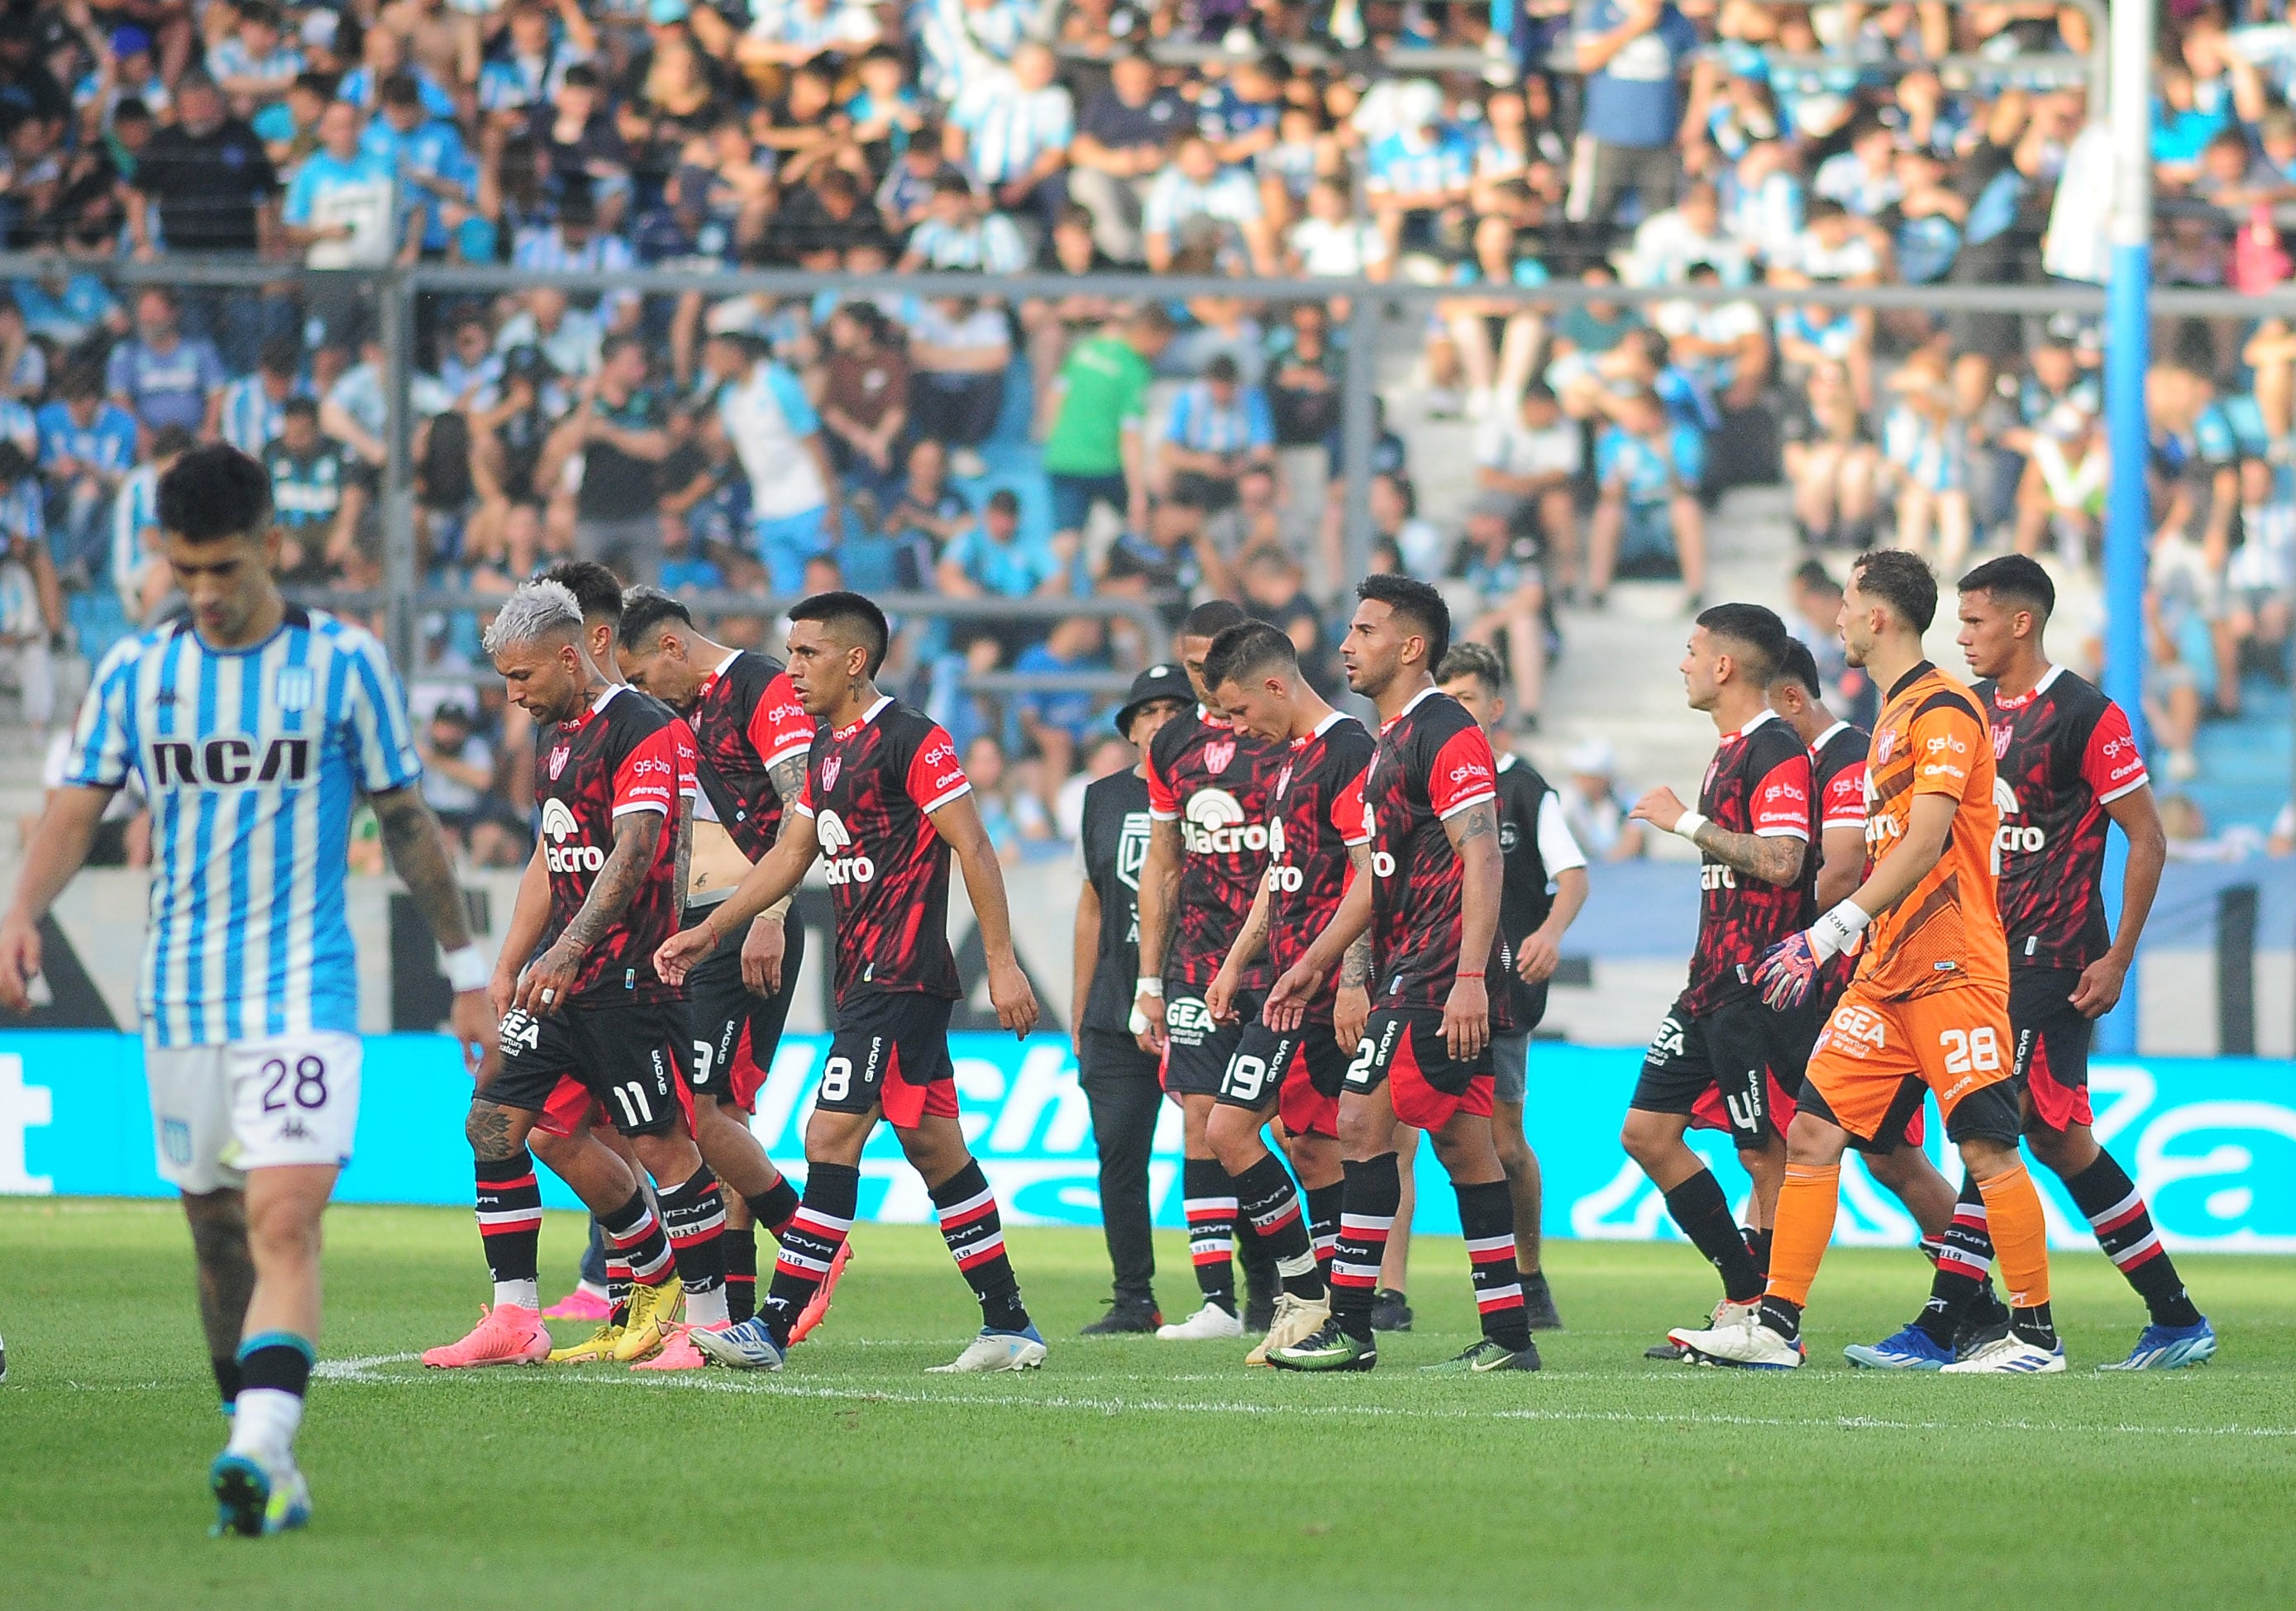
362,1371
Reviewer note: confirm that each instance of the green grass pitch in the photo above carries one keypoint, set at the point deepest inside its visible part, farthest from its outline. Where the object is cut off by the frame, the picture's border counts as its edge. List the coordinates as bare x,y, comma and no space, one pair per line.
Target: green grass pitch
1130,1472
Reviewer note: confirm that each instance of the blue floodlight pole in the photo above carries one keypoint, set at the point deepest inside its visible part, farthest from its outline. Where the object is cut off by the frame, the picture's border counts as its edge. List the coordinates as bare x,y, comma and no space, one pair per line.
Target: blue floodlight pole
2128,331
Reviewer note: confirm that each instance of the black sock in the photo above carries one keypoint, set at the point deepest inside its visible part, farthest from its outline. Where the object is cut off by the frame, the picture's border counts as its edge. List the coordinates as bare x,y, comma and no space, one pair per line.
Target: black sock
975,1234
278,1360
809,1244
1963,1262
741,1274
1270,1207
2116,1212
1703,1213
1782,1315
1209,1198
634,1233
226,1367
1486,1220
1375,1191
1323,1224
1757,1248
2035,1326
772,1208
509,1216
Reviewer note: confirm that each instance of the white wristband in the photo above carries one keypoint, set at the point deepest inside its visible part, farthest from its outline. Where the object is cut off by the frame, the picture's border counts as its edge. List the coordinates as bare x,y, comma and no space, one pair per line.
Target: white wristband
1149,985
1688,826
466,969
1834,933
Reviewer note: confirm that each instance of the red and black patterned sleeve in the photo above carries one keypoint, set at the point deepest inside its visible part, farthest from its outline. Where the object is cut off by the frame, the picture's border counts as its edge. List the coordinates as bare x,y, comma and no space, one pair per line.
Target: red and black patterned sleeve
935,775
2110,763
1463,773
1842,804
648,775
1779,804
1163,803
779,727
689,759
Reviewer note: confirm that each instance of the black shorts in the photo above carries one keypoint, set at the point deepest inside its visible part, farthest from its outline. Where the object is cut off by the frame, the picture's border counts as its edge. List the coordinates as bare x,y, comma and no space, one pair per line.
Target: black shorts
1740,1058
628,1056
2053,1040
1988,1114
1196,1050
890,1051
1403,1048
1301,1072
736,1030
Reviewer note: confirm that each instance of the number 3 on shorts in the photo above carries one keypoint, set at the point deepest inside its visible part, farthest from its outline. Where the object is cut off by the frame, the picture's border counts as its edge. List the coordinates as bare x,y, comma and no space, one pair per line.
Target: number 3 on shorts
1971,1049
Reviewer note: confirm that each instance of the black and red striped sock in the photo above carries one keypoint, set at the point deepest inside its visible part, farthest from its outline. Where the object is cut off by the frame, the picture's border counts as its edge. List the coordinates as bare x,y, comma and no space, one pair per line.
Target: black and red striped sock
693,1218
773,1206
2116,1211
1208,1199
1323,1224
1486,1220
1373,1192
510,1225
1270,1207
634,1233
809,1244
618,1289
975,1234
741,1272
1964,1260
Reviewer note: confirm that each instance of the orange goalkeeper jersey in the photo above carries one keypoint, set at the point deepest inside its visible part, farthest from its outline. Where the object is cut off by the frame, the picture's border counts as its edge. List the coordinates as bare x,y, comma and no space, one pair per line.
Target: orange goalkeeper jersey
1932,738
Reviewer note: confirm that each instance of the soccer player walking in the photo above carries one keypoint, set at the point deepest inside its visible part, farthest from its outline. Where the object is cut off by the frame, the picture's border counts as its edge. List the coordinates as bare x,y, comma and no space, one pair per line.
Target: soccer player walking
1930,998
1421,934
1719,1057
1314,830
253,725
752,735
1545,889
1120,1077
887,802
2067,764
591,1020
1209,789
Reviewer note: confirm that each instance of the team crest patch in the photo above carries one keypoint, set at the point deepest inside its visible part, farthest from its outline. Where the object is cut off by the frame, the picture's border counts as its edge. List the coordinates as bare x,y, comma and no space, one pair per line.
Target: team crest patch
294,687
1284,780
1132,849
830,768
1217,755
558,758
175,1141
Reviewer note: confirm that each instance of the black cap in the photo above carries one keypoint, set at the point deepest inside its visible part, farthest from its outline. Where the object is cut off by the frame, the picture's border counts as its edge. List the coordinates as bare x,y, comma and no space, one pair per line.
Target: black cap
1164,682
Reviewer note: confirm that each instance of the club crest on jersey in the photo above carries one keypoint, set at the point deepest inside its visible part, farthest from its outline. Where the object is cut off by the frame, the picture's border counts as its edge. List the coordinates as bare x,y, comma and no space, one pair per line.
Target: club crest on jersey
1132,849
294,687
558,758
2001,737
830,768
1219,755
1885,742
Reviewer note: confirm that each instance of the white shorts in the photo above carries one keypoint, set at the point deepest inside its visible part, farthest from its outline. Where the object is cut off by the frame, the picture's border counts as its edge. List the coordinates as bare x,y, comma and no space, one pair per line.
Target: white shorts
220,1111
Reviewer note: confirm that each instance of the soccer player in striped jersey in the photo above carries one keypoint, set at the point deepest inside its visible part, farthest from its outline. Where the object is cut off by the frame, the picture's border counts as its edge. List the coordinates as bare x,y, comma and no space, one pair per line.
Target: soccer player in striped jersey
254,725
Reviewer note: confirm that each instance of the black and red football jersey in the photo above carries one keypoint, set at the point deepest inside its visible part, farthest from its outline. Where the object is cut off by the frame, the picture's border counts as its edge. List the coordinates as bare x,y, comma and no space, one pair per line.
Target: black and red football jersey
747,719
1318,806
1838,770
1217,784
626,753
1758,782
2063,753
871,789
1432,763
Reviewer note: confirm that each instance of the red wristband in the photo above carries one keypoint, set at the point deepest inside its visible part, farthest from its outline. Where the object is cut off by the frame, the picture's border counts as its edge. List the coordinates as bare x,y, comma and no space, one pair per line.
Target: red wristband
1467,975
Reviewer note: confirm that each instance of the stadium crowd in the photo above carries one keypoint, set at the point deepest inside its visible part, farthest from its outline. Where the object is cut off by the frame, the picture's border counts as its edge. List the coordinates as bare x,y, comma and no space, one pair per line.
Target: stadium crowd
987,446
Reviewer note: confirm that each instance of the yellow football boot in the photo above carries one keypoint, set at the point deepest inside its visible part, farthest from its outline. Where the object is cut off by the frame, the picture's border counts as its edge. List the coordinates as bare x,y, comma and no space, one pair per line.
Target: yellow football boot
653,1312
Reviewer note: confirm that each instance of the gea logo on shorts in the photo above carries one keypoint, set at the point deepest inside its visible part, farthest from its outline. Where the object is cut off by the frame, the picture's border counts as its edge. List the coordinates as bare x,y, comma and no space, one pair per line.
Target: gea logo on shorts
836,839
1215,825
1188,1020
558,827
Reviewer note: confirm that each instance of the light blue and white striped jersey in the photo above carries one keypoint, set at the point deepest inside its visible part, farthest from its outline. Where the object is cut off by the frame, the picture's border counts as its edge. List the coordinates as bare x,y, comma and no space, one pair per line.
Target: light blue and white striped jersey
252,421
134,511
1202,423
252,762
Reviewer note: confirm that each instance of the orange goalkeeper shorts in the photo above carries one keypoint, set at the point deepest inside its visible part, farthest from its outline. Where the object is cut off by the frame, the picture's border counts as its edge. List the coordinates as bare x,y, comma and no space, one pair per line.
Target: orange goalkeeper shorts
1956,1042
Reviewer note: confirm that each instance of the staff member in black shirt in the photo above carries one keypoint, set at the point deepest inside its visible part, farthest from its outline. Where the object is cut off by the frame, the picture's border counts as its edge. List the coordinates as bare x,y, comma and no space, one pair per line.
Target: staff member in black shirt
208,176
1545,885
1120,1081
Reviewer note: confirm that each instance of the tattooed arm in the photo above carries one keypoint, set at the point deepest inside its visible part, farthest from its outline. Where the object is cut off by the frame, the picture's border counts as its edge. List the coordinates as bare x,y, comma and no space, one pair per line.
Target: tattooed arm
1160,892
1775,860
418,852
549,984
788,778
1474,835
685,849
1351,1009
